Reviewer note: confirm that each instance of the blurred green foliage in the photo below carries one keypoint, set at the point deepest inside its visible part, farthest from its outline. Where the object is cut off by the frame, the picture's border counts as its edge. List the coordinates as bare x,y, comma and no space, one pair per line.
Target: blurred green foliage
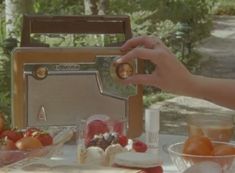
224,7
5,75
4,69
152,98
59,7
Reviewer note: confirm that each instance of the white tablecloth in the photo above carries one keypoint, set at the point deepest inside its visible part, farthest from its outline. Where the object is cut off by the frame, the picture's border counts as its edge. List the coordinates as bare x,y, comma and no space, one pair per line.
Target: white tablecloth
165,141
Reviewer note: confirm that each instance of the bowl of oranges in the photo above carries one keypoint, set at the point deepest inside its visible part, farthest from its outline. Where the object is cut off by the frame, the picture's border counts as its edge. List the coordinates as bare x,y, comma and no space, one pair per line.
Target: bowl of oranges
201,155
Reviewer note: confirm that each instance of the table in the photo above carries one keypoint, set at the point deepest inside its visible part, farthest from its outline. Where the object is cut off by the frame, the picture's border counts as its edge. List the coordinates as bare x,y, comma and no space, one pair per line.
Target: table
69,151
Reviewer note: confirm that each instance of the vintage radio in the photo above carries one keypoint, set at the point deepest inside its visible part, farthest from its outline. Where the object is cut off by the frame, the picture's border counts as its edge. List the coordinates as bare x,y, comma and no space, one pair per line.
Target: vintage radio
56,86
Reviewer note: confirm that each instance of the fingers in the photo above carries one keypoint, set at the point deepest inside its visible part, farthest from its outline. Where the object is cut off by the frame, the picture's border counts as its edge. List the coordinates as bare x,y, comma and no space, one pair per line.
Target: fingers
141,53
141,79
146,41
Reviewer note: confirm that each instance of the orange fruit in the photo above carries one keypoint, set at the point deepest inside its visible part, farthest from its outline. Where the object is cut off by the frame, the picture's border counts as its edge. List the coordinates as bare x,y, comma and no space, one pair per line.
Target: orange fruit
28,143
224,149
198,145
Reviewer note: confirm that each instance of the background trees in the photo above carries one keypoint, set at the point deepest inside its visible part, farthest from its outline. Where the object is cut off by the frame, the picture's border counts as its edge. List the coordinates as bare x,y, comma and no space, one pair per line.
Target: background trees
13,11
180,23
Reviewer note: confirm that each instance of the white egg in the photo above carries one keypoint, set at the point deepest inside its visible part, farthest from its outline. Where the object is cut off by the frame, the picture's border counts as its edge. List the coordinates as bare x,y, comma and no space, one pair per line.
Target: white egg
205,167
111,151
95,156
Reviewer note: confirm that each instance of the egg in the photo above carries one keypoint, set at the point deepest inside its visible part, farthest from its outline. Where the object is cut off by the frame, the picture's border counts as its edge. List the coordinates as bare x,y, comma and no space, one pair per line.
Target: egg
111,151
94,156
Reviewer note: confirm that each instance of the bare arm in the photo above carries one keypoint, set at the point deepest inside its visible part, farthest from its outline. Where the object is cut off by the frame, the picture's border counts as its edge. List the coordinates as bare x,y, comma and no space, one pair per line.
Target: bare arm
172,76
219,91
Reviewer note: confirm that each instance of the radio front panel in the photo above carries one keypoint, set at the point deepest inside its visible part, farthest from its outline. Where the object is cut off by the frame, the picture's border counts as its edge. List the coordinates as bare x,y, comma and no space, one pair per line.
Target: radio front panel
54,86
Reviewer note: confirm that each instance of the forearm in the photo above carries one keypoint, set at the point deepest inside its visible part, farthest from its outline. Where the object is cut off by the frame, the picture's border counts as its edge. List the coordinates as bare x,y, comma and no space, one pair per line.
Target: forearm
218,91
172,76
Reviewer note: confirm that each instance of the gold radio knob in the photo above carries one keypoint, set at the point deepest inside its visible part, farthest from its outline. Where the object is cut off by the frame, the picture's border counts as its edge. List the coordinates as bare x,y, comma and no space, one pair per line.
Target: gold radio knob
40,72
124,70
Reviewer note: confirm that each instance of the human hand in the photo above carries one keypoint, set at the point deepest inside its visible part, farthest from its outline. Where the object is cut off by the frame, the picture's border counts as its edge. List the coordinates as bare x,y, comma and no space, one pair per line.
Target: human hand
169,73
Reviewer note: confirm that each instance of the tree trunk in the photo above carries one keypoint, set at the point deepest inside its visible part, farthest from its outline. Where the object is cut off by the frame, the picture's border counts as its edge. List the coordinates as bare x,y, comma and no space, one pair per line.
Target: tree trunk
14,10
96,7
102,7
90,7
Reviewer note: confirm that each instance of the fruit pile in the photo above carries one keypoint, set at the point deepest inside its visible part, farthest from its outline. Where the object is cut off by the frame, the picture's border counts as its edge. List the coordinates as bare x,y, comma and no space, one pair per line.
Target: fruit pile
208,156
103,141
203,146
29,139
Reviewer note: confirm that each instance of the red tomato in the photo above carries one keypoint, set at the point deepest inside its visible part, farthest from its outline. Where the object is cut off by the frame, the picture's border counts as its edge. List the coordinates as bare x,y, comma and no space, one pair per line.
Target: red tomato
122,140
12,134
139,146
31,130
7,144
44,138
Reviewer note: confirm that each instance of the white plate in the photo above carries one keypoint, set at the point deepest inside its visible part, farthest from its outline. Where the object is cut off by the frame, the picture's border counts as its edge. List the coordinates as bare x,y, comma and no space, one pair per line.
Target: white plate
137,160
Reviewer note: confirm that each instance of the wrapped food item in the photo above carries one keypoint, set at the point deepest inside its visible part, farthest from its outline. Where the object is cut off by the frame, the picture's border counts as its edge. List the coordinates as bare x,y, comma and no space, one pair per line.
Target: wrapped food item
101,135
